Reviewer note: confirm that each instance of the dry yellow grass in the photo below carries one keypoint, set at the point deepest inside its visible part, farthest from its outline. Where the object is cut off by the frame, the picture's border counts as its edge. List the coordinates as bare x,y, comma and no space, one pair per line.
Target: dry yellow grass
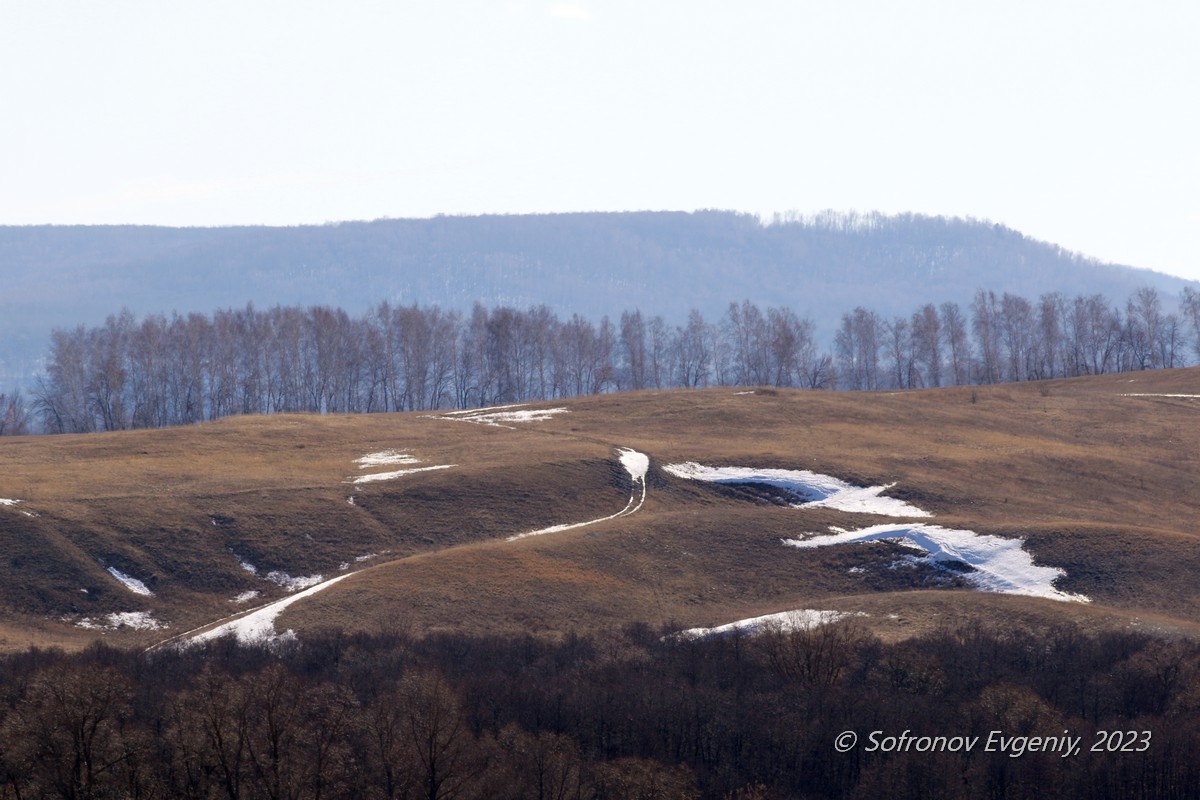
1099,483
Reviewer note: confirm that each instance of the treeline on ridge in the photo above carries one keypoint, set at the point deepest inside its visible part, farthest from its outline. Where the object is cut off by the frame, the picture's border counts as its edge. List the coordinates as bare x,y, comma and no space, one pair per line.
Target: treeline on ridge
625,715
164,371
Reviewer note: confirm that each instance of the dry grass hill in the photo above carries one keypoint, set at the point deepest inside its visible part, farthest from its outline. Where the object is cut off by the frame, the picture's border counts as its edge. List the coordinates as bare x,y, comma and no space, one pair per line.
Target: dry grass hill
114,534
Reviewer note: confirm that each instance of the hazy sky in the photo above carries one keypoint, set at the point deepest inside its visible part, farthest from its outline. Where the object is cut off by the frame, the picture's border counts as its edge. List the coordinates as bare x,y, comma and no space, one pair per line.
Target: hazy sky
1073,122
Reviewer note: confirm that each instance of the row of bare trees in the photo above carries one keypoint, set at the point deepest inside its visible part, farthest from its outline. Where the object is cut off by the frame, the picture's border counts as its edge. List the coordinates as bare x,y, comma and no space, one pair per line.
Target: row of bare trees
170,371
162,371
1008,338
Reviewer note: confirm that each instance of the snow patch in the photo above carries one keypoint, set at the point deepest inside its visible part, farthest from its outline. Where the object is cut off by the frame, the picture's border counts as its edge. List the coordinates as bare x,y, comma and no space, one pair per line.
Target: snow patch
736,394
246,597
258,626
999,564
785,621
817,490
488,409
358,560
138,620
496,416
385,458
280,578
636,464
387,476
1192,396
13,504
131,583
293,584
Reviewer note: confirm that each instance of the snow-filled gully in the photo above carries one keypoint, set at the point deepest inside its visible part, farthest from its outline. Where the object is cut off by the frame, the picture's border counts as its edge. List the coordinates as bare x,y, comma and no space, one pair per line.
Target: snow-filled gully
997,564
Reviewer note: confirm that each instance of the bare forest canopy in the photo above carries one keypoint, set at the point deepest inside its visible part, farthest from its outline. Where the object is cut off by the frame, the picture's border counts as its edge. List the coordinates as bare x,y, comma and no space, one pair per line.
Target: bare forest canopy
163,371
1019,714
593,264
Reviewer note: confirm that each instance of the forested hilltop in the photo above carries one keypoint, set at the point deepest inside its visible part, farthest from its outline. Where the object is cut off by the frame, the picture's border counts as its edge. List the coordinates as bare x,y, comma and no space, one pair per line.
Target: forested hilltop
593,264
160,371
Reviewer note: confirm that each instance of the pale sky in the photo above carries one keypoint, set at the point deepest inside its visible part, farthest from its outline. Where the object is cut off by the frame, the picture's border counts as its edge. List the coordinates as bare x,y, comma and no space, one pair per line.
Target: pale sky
1073,122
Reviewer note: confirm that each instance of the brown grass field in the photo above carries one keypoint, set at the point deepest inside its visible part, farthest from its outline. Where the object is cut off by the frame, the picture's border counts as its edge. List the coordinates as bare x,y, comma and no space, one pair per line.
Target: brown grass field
1097,482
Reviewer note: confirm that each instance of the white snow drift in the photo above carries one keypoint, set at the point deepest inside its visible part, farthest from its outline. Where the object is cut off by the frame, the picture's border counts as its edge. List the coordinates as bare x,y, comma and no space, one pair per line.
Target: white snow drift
636,464
387,476
799,620
13,504
258,626
138,620
999,564
131,583
1189,396
497,416
815,489
386,458
281,578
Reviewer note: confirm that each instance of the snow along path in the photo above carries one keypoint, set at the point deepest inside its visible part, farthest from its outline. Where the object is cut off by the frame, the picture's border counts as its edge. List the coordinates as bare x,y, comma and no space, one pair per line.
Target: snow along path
999,564
256,626
817,490
636,464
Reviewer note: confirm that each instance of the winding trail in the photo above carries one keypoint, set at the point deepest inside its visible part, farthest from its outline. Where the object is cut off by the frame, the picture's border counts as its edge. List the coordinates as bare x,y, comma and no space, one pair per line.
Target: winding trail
257,625
636,464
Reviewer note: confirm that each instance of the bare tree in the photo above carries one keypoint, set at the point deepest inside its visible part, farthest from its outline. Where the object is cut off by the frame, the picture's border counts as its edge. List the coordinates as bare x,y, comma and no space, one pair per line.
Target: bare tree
1190,308
1144,329
957,343
693,351
1094,334
1017,335
437,736
858,342
926,332
749,344
658,354
1050,357
61,396
14,416
69,731
900,351
986,323
634,369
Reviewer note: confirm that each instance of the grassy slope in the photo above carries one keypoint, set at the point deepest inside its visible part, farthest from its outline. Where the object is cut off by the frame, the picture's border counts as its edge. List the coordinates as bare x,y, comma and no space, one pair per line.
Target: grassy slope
1100,484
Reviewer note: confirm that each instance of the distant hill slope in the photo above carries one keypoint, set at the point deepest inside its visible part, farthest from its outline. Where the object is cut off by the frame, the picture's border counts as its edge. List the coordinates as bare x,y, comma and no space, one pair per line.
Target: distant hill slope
116,535
589,263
